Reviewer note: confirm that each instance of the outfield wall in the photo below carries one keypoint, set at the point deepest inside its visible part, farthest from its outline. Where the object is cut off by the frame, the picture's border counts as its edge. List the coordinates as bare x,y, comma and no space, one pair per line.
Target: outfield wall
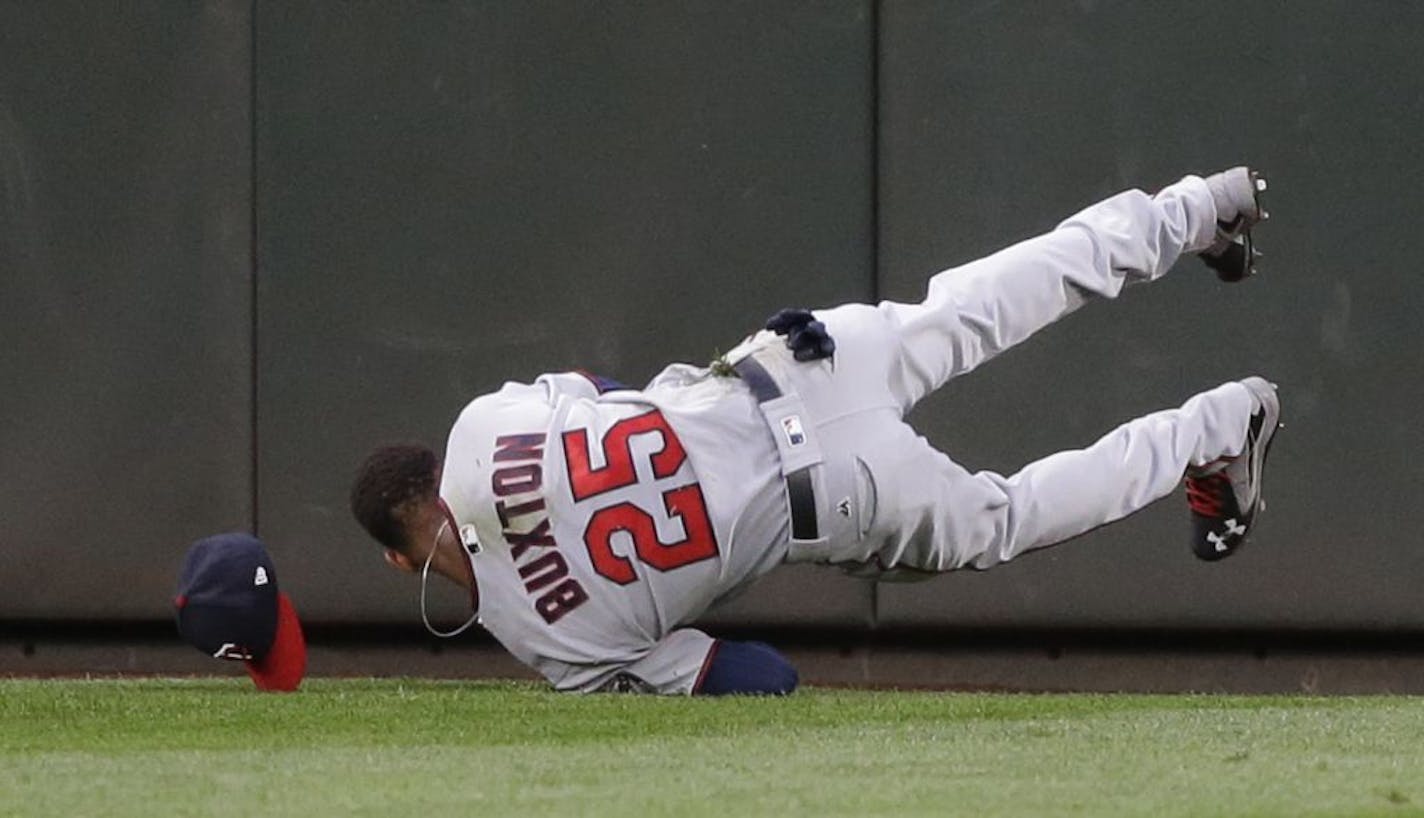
125,298
242,242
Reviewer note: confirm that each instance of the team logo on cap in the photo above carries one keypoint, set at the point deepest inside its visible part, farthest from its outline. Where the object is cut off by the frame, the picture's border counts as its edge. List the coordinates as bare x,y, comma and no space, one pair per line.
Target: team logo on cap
260,578
231,650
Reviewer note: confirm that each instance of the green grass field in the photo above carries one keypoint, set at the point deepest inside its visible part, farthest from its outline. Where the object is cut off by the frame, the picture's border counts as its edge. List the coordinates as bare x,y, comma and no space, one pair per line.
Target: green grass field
423,748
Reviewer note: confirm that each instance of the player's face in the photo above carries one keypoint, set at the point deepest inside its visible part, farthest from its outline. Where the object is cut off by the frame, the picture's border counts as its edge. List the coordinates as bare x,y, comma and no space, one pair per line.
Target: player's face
422,522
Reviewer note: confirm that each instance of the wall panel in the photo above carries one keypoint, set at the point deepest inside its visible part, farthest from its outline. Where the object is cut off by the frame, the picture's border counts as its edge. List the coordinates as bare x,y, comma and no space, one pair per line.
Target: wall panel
456,194
125,308
1001,119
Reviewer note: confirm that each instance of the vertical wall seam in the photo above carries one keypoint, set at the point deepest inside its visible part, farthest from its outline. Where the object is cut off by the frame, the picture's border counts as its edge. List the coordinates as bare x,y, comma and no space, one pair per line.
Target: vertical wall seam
252,250
875,264
875,114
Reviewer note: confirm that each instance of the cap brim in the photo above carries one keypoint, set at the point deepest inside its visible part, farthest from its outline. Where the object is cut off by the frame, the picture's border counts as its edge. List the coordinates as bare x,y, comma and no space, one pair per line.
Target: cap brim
285,664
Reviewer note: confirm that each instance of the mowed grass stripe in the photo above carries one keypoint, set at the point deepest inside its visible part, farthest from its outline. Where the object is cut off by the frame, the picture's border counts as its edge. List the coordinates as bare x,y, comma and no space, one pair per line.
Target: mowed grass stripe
216,747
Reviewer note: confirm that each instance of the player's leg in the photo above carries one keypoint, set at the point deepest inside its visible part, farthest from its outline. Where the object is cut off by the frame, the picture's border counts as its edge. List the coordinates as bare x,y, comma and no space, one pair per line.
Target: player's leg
894,354
933,515
975,311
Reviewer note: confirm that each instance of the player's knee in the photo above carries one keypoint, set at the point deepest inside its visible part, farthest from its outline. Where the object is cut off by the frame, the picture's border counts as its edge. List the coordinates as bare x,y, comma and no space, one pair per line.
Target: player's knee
748,668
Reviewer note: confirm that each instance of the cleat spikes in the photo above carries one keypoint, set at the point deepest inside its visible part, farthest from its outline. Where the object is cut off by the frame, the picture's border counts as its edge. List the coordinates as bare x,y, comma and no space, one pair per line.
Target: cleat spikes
1224,496
1237,195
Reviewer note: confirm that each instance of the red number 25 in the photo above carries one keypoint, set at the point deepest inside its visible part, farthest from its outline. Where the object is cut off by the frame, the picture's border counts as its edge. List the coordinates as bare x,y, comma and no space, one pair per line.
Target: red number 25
684,503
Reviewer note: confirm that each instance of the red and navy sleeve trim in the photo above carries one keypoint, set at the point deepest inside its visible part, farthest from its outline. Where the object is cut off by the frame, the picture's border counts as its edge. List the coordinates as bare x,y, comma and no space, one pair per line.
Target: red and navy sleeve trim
601,382
706,665
745,668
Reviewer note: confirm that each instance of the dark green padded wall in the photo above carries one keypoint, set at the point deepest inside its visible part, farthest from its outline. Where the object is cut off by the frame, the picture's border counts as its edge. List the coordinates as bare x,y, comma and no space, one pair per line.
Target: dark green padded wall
452,194
1000,120
125,308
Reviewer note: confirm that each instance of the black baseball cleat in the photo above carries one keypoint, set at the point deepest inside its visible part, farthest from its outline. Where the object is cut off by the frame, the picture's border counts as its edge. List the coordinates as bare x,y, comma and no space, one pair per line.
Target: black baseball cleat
1225,495
1237,193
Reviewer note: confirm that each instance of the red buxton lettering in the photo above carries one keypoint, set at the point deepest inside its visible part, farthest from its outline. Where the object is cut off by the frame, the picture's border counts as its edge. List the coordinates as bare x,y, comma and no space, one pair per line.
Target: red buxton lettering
563,598
543,572
517,481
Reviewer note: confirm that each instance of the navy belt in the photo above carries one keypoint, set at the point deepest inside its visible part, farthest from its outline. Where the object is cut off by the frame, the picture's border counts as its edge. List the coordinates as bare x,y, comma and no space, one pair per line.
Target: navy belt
800,496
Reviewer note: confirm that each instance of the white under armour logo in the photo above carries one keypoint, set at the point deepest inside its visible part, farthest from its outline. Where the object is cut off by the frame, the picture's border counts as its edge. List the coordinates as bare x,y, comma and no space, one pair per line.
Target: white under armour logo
1233,529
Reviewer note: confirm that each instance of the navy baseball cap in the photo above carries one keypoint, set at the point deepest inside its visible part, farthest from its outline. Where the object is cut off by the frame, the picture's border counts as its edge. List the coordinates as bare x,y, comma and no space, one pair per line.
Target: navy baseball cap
229,607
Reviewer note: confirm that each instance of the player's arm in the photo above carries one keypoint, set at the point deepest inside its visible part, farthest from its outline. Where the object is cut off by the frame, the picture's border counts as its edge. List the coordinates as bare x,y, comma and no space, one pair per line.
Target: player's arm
748,668
689,662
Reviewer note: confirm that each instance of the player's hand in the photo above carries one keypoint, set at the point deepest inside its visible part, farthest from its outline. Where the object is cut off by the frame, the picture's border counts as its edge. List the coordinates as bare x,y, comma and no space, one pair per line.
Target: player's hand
805,336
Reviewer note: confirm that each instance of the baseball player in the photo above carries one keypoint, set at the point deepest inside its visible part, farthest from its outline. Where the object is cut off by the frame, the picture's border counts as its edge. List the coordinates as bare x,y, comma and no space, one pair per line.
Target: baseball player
591,521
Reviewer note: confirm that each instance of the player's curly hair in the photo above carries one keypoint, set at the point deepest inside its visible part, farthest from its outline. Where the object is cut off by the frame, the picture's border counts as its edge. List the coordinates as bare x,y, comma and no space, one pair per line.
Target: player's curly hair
388,479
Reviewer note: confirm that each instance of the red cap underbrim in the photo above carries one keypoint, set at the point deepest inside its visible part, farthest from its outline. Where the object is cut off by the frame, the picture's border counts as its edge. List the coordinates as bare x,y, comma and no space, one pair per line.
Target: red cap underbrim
286,661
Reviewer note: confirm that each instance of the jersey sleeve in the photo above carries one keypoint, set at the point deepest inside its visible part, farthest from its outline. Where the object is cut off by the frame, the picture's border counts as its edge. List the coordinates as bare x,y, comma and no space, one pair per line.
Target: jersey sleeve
674,667
577,384
747,668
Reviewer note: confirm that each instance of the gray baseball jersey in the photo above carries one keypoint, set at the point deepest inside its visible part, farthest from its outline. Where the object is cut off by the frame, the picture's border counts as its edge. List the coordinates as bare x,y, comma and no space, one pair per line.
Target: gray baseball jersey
606,521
